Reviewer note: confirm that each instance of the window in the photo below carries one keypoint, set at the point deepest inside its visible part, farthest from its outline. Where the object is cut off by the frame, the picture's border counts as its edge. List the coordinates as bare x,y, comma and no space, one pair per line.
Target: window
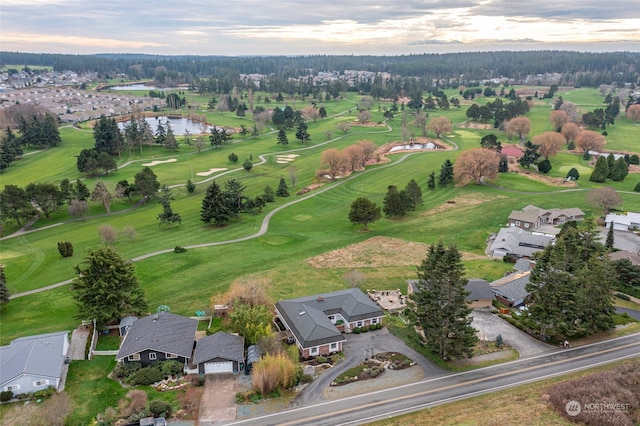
359,324
526,225
171,356
334,346
331,317
314,351
134,357
517,223
13,388
152,355
374,320
41,382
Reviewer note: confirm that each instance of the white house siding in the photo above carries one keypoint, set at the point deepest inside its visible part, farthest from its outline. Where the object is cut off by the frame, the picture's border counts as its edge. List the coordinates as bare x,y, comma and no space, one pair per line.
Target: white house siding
26,383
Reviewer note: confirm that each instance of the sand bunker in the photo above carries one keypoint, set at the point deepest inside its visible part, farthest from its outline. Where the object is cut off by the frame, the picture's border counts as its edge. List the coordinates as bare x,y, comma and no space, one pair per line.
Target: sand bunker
284,159
210,172
156,162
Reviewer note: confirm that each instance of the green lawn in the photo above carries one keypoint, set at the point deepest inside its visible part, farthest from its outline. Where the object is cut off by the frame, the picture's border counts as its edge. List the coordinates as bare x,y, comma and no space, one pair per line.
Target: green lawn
316,225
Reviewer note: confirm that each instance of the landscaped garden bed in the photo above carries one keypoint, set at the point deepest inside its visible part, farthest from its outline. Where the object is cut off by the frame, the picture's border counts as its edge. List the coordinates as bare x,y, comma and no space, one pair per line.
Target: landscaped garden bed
374,367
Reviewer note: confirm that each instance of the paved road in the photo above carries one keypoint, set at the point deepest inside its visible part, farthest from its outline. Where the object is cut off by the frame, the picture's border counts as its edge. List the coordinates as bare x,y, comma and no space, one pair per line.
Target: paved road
491,325
633,313
430,392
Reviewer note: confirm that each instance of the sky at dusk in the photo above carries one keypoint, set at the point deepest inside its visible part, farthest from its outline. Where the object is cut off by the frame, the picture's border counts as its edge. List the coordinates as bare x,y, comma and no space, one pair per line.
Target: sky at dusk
301,27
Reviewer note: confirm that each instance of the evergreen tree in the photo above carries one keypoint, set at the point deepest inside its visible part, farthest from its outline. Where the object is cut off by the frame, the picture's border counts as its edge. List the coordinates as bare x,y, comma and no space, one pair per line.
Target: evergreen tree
574,174
282,138
267,194
214,207
302,134
544,166
570,286
601,170
167,216
503,165
396,203
146,183
364,211
233,158
440,306
247,165
530,155
620,170
107,136
4,290
610,238
611,162
106,287
81,191
15,204
283,190
191,187
431,182
414,193
170,141
446,173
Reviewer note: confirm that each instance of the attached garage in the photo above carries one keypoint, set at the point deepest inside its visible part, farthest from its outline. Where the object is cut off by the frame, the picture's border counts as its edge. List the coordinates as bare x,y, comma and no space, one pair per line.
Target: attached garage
218,367
220,353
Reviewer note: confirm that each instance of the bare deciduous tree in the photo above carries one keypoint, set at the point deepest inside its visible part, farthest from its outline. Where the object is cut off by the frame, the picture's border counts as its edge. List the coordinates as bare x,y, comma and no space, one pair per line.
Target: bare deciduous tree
520,126
354,154
588,140
572,111
108,234
474,164
633,113
102,194
440,125
364,116
130,233
559,118
604,198
570,131
310,113
334,162
368,151
293,176
550,143
420,120
343,127
78,208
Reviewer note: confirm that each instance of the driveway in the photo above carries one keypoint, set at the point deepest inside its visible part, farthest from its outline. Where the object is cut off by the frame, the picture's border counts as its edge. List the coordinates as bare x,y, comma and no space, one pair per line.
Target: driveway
356,349
490,325
218,403
633,313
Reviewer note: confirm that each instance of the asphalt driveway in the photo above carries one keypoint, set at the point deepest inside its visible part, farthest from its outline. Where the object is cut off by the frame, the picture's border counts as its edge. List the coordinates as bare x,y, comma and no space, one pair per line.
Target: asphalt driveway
218,402
632,312
490,325
356,349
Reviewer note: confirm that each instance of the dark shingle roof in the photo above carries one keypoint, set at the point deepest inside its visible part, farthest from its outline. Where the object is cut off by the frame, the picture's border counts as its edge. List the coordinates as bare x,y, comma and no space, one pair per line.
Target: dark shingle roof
162,332
307,316
219,345
513,286
479,289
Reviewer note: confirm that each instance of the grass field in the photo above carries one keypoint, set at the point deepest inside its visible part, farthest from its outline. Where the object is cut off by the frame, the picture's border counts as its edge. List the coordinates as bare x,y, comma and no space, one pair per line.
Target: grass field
313,226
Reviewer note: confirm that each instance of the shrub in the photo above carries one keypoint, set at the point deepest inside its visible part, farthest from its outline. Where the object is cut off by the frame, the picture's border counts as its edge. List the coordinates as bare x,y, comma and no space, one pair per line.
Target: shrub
321,359
65,248
125,369
179,249
499,341
356,330
160,408
379,326
634,159
145,376
190,186
637,187
197,380
509,259
373,327
364,329
44,393
571,146
6,396
171,368
273,372
544,166
574,174
306,378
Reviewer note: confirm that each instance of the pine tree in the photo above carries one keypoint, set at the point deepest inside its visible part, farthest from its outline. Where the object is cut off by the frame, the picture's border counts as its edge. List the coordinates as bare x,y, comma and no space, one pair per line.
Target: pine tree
4,291
282,138
446,173
611,162
267,194
214,208
441,309
364,211
620,170
106,287
610,238
503,166
283,190
431,182
601,170
414,193
302,134
396,203
167,216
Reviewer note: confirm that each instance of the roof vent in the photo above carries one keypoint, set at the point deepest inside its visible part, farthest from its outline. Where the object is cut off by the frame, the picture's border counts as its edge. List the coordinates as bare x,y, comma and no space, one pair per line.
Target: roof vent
301,313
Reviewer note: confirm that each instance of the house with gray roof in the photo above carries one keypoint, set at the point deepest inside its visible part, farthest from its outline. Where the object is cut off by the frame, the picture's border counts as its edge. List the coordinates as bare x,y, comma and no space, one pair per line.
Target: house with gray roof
219,353
159,337
517,242
317,322
32,363
480,292
532,217
511,289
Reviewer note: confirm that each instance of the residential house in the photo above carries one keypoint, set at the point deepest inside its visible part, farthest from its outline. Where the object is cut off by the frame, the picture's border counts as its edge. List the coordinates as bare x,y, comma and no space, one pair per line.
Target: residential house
523,265
33,363
511,289
159,337
532,217
623,222
480,292
317,322
517,242
219,353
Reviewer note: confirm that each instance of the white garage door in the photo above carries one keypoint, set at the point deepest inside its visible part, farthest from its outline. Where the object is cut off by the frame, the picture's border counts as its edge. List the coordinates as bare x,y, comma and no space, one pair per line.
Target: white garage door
218,367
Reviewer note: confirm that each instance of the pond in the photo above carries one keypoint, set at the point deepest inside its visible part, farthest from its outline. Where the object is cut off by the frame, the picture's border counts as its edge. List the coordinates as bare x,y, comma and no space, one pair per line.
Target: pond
179,125
142,87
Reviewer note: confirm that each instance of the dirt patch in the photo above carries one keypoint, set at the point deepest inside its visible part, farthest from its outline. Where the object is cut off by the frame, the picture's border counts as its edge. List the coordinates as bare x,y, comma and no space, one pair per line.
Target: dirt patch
309,188
475,125
461,201
377,252
549,180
